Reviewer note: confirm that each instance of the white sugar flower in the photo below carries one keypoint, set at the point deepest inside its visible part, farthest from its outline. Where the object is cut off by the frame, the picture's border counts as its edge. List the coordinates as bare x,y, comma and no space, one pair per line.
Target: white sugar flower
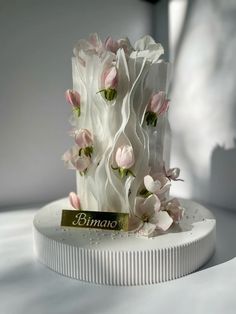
148,210
175,210
158,186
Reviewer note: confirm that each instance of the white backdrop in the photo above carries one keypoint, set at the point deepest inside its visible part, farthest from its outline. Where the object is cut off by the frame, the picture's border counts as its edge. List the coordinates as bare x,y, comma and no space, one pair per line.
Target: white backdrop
203,111
37,38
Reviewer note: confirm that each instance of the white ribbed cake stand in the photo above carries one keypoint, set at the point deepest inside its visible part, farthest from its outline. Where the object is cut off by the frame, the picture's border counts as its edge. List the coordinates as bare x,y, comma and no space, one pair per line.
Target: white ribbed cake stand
121,258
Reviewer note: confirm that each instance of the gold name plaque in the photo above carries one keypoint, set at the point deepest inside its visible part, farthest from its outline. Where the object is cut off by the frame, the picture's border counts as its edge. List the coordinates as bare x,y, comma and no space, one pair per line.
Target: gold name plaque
92,219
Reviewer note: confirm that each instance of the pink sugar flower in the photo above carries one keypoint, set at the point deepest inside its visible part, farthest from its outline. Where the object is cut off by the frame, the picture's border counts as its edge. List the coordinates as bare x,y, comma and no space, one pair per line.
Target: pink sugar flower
83,138
81,163
74,200
109,81
158,103
74,161
111,78
124,44
111,45
125,156
73,98
125,160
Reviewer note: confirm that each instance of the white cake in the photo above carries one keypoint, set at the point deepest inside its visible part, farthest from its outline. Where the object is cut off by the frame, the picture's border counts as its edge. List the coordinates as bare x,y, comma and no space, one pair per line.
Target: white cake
119,105
119,101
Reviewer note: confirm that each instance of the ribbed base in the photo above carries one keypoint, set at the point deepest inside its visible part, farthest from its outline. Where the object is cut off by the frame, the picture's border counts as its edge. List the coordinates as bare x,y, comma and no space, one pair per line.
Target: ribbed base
120,262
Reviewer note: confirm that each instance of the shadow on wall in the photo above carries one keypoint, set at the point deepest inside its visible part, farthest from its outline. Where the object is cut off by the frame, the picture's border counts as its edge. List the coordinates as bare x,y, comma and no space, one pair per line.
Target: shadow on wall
203,111
223,176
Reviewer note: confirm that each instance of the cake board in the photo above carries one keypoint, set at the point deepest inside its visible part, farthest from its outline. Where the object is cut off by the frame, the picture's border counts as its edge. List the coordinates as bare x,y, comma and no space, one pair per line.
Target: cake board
124,258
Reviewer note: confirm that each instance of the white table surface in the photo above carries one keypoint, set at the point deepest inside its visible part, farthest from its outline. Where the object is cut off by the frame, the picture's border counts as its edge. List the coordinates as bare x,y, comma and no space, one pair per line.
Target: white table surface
26,286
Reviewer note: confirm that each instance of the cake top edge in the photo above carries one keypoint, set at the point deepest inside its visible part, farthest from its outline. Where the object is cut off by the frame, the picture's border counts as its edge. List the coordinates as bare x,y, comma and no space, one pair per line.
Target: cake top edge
145,47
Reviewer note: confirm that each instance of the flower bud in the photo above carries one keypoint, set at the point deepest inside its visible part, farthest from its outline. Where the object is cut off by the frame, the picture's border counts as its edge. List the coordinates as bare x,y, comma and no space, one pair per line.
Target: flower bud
74,200
83,138
111,45
158,103
125,157
110,78
73,98
173,173
109,81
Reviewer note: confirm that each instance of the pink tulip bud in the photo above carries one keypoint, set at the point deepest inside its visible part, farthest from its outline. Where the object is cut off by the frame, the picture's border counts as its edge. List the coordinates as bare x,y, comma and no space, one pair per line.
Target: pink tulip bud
110,78
73,98
111,45
74,200
125,157
83,138
158,103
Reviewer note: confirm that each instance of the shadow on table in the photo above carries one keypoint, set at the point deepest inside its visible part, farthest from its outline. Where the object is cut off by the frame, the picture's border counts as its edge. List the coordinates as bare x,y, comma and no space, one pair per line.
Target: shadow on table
225,236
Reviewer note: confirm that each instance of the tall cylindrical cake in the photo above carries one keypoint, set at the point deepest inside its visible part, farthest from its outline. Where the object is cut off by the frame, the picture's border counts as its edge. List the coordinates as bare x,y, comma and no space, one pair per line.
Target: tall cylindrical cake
119,101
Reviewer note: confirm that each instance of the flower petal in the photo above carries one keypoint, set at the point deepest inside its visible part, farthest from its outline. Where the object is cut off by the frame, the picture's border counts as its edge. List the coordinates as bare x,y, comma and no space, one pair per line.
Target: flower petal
175,210
73,98
147,229
125,44
134,223
151,185
74,200
144,43
83,138
111,78
165,188
162,220
139,210
94,40
111,44
81,163
70,156
152,204
158,103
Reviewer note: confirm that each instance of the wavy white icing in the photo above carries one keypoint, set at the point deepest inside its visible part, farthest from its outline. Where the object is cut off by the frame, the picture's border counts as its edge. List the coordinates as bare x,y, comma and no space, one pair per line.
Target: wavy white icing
118,122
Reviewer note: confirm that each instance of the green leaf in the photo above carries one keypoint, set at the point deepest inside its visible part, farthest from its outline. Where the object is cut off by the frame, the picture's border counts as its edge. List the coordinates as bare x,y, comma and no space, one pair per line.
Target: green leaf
145,193
151,118
88,151
110,94
129,172
76,111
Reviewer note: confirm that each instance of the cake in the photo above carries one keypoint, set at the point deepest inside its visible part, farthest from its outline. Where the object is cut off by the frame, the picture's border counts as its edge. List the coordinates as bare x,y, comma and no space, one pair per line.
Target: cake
119,102
121,227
